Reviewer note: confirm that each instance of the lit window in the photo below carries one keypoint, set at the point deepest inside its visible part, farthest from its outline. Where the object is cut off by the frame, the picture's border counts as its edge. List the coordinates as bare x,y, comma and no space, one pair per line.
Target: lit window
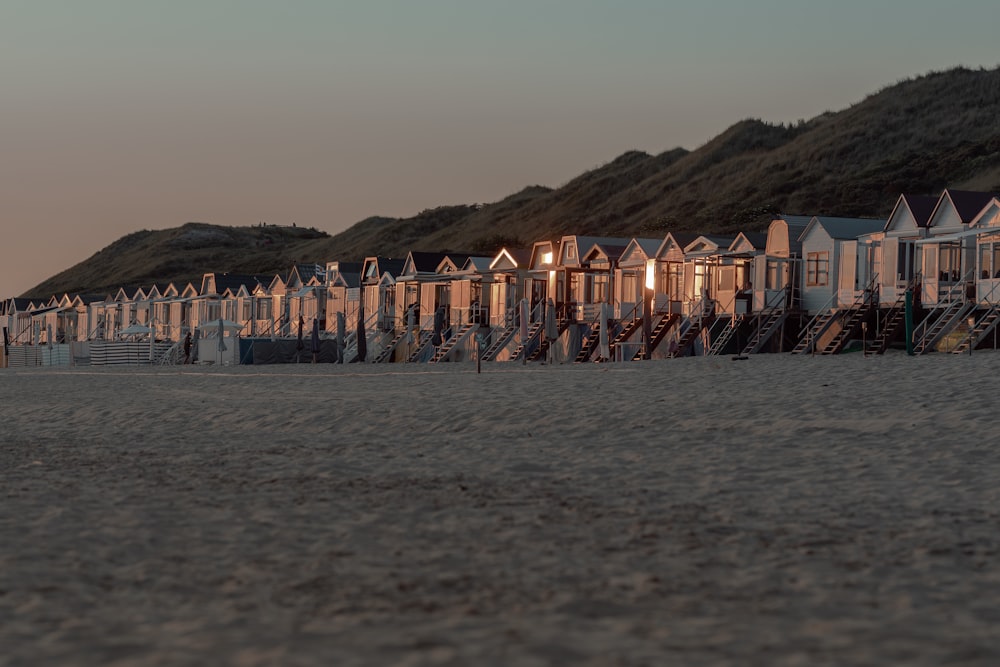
817,268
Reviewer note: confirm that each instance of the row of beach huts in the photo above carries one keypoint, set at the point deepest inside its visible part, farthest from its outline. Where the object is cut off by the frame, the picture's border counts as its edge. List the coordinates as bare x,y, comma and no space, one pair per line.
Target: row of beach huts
927,279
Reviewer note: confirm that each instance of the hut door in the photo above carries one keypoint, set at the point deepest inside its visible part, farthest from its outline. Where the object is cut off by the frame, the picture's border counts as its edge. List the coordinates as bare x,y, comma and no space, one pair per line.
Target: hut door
847,275
929,289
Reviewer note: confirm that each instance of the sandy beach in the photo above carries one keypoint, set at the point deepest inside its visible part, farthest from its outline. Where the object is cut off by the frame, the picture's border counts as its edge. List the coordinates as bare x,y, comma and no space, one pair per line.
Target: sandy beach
701,511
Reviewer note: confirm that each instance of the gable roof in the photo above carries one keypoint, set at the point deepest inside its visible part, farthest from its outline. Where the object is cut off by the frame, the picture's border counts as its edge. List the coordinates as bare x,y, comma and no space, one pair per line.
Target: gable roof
516,257
640,250
231,282
610,252
844,228
990,213
476,264
424,262
708,243
582,245
920,208
968,204
964,203
679,240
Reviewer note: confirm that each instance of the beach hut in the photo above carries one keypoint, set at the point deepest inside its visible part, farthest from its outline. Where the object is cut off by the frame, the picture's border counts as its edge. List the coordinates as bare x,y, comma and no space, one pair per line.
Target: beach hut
702,257
278,291
377,294
638,271
168,313
505,275
504,280
640,287
580,284
605,283
420,283
466,281
733,293
735,275
542,279
341,277
832,290
948,253
777,273
907,224
670,263
971,316
948,260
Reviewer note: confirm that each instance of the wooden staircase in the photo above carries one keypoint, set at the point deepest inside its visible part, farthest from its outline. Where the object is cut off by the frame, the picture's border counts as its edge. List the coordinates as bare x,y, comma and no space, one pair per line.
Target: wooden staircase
502,336
769,322
543,343
853,317
659,332
984,326
941,325
694,328
627,331
850,323
813,330
387,351
889,327
421,346
726,335
447,346
533,332
590,343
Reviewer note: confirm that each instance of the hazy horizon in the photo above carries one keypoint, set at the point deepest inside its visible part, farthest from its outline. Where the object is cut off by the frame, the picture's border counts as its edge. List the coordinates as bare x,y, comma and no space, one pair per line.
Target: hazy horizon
122,116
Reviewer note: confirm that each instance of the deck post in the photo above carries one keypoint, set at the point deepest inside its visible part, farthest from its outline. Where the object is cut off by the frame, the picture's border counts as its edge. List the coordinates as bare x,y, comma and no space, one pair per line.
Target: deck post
908,311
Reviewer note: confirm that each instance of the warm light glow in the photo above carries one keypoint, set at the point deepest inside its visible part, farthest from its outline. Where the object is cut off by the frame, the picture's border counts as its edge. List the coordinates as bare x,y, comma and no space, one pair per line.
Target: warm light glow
552,275
546,258
651,274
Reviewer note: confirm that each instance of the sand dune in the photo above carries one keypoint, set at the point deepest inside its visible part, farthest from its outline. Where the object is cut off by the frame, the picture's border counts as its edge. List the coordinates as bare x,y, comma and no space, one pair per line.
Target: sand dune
776,511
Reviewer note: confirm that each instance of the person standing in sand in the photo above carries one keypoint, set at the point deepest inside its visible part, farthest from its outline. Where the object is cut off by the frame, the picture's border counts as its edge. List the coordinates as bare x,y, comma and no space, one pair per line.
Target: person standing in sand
187,348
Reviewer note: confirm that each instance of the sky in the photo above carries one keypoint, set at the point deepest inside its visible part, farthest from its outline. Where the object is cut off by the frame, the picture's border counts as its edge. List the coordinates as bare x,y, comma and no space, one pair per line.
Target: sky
117,115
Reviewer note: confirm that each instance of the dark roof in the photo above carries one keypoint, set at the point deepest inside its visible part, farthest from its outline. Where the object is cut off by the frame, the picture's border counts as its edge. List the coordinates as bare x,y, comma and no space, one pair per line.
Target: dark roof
309,271
613,252
90,298
520,255
847,228
350,267
353,279
391,266
969,204
757,239
685,239
233,281
427,262
921,206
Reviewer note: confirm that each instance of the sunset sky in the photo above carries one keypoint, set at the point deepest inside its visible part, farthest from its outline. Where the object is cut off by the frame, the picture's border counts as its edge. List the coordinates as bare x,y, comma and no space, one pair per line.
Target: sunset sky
118,115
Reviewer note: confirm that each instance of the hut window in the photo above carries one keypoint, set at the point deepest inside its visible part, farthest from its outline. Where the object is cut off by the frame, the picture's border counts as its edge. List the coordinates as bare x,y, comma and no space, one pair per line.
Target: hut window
949,262
675,281
817,268
989,260
773,280
600,287
629,282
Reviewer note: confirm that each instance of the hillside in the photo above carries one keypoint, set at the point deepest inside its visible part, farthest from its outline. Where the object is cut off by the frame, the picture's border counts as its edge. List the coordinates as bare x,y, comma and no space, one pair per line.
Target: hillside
920,135
183,254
